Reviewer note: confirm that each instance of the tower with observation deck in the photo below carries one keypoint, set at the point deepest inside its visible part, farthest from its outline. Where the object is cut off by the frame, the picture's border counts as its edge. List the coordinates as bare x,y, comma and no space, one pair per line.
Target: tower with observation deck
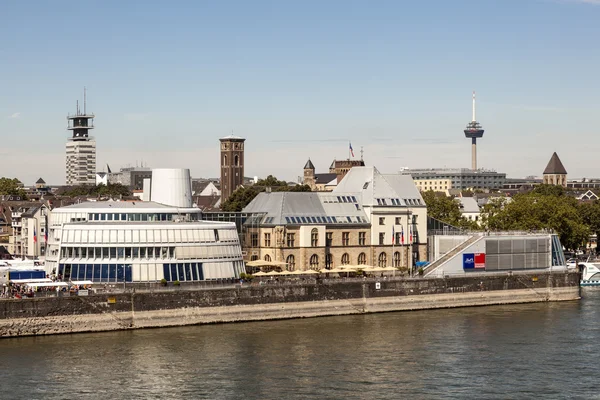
81,148
474,131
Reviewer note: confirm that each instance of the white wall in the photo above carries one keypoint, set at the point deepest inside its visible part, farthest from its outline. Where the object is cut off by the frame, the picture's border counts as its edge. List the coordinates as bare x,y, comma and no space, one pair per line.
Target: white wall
172,187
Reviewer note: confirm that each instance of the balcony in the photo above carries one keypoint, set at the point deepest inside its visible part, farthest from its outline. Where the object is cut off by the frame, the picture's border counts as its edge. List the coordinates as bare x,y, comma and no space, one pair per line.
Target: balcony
16,224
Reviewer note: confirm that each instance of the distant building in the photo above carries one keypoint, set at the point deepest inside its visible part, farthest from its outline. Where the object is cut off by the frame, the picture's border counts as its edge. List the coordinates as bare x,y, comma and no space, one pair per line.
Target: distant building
555,173
101,178
132,177
469,208
326,182
232,165
461,178
81,149
437,185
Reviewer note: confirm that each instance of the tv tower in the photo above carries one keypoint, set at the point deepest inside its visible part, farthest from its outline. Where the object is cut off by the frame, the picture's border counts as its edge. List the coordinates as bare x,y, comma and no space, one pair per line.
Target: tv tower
474,130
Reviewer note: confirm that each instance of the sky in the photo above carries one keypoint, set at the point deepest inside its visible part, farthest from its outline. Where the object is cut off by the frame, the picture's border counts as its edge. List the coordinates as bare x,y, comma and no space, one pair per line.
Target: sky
299,80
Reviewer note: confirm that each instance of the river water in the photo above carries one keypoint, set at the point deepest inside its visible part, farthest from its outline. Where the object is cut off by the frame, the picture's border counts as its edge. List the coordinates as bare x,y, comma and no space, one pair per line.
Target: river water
521,351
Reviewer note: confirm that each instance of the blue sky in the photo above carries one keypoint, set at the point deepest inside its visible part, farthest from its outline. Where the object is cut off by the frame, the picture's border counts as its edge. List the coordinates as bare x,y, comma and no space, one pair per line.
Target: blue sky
301,79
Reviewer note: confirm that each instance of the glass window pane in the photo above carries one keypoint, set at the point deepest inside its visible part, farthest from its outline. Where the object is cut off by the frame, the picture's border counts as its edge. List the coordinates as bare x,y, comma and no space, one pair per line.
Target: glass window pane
167,272
188,272
180,271
173,272
104,277
195,271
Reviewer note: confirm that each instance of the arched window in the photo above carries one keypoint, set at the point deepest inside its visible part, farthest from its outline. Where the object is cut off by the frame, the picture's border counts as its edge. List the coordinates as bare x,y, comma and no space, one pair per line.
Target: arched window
291,262
397,259
236,160
224,159
314,262
267,257
314,237
382,259
254,257
362,259
328,261
345,259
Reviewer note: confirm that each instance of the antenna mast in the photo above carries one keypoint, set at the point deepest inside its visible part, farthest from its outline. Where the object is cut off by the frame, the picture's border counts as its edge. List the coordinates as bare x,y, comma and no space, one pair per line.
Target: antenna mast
474,106
85,102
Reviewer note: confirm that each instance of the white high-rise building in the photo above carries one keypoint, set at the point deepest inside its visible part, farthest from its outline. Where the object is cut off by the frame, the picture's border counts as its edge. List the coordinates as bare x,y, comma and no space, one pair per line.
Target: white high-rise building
81,149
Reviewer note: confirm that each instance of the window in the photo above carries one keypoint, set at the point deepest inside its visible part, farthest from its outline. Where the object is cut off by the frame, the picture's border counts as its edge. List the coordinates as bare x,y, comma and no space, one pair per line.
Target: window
224,159
328,261
381,238
398,221
345,238
314,238
290,238
267,257
397,259
254,239
314,262
382,259
362,259
362,238
236,160
267,240
381,220
398,239
254,257
291,263
328,239
345,259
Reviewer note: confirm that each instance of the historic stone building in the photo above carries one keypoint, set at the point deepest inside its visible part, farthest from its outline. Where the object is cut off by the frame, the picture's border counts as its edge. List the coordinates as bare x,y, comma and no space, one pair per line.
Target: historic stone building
381,221
555,173
326,182
232,165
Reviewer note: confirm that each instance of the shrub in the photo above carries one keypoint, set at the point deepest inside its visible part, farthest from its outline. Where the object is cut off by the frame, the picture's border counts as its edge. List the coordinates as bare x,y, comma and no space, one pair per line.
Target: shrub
176,283
421,271
163,282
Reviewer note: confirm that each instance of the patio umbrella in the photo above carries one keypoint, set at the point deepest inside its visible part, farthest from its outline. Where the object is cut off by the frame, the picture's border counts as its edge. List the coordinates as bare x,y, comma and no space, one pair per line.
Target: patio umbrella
260,273
272,273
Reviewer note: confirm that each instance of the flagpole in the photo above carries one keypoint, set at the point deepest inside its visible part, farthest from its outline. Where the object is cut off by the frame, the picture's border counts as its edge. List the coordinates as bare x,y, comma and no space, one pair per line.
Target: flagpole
393,244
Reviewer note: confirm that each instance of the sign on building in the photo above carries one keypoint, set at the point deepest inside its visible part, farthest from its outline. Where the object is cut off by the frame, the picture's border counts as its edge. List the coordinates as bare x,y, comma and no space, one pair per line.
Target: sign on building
473,260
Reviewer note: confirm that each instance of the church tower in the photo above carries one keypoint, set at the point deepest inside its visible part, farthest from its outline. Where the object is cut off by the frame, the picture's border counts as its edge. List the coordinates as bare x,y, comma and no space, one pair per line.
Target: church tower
232,165
309,175
555,172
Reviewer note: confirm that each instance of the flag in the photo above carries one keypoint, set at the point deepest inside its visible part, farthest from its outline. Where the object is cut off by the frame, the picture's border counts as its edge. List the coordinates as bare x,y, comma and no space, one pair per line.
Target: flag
46,228
34,236
351,149
411,236
402,234
393,236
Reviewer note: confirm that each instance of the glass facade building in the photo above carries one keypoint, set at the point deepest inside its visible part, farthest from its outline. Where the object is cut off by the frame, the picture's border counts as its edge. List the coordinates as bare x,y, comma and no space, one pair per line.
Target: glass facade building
140,242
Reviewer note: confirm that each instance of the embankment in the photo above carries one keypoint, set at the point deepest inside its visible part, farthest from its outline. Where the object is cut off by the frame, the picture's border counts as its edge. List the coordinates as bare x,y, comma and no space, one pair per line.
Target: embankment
108,312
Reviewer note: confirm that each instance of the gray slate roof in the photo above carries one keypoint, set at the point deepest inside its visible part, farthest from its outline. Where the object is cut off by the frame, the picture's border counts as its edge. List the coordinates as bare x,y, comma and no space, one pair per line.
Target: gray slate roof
555,166
468,204
309,165
319,208
377,189
325,178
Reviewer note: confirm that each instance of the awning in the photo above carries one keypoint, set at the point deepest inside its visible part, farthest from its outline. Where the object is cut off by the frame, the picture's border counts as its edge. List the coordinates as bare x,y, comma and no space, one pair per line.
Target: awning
20,281
46,284
82,283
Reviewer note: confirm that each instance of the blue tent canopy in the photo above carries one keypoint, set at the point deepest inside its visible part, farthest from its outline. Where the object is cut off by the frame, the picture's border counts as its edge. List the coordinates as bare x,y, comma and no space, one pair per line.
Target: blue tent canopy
421,263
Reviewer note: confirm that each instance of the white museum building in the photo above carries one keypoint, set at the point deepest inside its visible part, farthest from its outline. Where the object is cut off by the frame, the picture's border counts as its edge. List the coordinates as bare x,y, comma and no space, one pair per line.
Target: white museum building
142,241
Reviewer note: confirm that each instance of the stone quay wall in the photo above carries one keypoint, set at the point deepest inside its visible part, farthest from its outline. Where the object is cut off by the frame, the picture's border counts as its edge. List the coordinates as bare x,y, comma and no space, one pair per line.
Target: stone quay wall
147,309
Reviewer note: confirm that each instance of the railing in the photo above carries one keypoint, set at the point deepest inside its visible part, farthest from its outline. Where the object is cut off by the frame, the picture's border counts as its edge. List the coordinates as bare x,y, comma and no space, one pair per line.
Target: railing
490,233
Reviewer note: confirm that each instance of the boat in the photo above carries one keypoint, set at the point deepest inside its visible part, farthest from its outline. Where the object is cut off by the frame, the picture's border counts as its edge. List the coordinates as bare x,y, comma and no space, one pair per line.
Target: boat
590,275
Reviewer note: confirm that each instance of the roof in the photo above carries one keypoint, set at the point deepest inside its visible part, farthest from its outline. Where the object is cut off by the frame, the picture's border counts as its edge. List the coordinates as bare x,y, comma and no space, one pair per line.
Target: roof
555,166
232,137
377,189
40,181
325,178
304,208
207,203
468,204
309,165
122,205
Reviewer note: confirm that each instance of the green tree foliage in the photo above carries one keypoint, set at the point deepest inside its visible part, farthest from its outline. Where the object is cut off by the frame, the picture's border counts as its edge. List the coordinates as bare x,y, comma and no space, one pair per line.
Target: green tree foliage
112,190
446,209
545,207
13,187
244,195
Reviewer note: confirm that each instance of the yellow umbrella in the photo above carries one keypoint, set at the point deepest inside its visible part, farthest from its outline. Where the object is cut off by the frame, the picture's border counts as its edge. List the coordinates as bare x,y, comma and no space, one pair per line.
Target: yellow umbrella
272,273
259,273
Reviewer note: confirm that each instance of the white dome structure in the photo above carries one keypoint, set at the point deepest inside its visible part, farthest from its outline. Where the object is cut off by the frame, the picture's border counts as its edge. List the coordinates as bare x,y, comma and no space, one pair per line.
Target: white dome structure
171,187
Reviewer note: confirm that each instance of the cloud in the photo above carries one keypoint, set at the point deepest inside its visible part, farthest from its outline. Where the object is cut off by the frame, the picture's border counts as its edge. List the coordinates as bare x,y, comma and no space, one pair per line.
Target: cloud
15,115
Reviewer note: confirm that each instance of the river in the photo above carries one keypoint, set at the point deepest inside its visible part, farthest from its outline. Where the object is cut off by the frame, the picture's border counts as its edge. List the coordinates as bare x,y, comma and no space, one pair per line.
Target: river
544,350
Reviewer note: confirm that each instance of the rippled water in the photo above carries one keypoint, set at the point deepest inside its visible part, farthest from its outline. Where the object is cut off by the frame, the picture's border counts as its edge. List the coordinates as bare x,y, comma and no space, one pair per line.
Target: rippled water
523,351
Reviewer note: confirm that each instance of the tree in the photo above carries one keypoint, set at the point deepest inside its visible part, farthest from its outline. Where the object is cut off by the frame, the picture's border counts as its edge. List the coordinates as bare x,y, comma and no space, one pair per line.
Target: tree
446,209
112,190
242,196
12,187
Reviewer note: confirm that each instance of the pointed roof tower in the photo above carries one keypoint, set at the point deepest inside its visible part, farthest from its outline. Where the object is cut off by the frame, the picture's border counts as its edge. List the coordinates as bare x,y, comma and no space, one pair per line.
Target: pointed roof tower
555,166
309,165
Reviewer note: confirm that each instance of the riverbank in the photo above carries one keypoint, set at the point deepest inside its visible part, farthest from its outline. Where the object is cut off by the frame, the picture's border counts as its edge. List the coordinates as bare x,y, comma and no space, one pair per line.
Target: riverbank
108,312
